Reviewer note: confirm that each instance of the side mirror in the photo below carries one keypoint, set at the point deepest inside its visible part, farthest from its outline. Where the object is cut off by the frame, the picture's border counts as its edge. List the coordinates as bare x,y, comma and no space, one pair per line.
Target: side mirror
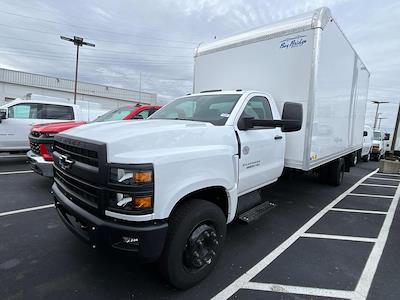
3,114
292,119
245,123
365,133
386,137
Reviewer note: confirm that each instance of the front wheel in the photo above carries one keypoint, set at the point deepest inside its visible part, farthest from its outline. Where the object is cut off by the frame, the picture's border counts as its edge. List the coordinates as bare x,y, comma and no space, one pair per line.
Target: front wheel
367,157
194,243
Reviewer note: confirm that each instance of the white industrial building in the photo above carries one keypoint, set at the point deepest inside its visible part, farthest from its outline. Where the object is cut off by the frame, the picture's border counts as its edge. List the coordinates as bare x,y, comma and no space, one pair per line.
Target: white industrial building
16,84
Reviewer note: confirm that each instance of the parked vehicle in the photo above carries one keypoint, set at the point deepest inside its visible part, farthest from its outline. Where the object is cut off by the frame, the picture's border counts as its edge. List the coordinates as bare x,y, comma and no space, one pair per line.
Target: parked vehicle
388,139
367,143
378,145
166,187
41,137
18,116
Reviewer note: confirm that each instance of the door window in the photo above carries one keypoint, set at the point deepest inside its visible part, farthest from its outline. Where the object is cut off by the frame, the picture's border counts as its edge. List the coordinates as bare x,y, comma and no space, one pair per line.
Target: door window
23,111
258,108
144,114
56,112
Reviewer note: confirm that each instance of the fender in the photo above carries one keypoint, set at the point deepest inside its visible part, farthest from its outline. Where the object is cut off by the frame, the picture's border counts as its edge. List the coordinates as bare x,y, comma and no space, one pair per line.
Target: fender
194,185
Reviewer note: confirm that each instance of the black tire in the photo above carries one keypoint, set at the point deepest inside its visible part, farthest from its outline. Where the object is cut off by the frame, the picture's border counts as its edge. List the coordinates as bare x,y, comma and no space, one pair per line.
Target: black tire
336,172
353,159
193,219
367,157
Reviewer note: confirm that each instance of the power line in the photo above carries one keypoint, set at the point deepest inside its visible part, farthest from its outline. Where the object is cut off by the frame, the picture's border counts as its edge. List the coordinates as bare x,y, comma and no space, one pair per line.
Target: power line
95,29
97,62
88,58
100,40
98,50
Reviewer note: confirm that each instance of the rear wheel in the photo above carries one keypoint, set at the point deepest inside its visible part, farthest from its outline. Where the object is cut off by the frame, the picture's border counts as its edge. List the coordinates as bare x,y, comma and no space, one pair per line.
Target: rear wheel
355,159
195,238
333,172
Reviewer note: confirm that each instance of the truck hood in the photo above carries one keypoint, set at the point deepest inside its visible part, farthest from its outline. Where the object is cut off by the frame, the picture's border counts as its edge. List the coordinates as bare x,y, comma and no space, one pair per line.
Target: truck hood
144,141
55,127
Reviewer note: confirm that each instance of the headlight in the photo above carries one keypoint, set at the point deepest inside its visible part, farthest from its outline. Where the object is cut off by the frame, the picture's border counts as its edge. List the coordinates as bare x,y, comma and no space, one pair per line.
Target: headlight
132,188
129,202
131,176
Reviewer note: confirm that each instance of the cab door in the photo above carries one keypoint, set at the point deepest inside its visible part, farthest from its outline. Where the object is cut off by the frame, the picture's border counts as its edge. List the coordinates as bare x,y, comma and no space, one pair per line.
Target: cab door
15,129
262,149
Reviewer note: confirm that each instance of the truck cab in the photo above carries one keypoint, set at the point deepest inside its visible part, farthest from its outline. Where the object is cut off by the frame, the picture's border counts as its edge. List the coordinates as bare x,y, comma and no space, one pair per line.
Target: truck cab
378,145
18,116
173,180
368,136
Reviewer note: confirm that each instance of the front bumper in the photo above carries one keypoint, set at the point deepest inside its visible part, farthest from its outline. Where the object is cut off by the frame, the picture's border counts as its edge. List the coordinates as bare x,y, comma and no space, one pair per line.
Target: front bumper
39,165
146,238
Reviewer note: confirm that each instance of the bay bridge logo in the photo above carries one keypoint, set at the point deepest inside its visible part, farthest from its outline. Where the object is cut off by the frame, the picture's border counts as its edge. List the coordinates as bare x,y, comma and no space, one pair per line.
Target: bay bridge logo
297,41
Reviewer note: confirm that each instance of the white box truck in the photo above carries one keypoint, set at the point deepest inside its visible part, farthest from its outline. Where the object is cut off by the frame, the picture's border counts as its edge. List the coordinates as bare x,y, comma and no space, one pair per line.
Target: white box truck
293,94
305,59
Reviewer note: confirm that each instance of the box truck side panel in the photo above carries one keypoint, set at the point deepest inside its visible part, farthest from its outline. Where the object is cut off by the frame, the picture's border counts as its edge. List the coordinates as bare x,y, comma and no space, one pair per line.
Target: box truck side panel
280,66
333,103
361,94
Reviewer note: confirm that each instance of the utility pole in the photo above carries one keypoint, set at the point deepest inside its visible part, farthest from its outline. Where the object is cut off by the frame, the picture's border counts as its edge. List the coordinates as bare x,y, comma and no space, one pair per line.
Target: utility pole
377,102
78,42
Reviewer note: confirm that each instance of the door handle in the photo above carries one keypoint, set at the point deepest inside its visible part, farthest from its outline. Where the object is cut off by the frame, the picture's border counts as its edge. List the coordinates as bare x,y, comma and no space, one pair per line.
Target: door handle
278,137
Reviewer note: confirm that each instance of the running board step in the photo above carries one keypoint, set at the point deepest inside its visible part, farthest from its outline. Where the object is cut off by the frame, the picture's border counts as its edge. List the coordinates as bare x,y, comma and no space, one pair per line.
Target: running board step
256,212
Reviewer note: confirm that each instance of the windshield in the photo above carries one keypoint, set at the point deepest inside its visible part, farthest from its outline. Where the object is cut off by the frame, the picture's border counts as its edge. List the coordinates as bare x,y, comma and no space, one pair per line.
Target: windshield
377,135
114,115
205,108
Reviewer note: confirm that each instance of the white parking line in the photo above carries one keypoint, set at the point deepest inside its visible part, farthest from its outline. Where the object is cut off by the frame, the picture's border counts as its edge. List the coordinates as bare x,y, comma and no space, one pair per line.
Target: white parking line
18,211
379,185
300,290
380,178
16,172
384,175
262,264
377,212
338,237
371,195
367,275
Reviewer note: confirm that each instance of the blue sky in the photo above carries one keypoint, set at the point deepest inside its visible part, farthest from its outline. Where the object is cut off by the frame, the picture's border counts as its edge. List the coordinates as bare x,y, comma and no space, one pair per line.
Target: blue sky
157,39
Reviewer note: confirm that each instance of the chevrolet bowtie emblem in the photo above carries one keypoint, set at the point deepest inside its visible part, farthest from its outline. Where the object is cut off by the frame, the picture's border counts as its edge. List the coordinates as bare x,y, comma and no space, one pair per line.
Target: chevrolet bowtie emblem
65,162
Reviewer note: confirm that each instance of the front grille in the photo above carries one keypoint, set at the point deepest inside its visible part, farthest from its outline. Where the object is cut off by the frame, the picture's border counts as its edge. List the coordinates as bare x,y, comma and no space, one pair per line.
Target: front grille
77,191
86,156
35,134
35,147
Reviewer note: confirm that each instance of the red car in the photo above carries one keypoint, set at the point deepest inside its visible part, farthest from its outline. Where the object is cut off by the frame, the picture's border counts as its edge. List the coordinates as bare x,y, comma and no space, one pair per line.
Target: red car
42,135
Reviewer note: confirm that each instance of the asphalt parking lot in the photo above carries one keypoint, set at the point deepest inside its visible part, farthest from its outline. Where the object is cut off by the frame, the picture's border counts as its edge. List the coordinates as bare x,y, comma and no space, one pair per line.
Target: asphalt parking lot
319,242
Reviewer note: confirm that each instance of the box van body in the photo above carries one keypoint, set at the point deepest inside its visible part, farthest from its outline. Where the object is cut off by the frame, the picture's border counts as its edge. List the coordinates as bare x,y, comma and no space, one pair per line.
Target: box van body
304,59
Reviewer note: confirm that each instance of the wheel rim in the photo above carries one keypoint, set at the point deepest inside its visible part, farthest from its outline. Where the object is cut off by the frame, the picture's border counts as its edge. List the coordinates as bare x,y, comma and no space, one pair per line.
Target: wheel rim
201,248
355,160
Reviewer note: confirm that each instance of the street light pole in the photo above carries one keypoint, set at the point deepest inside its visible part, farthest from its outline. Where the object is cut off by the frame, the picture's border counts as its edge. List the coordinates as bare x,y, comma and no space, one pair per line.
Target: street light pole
377,109
379,124
78,42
